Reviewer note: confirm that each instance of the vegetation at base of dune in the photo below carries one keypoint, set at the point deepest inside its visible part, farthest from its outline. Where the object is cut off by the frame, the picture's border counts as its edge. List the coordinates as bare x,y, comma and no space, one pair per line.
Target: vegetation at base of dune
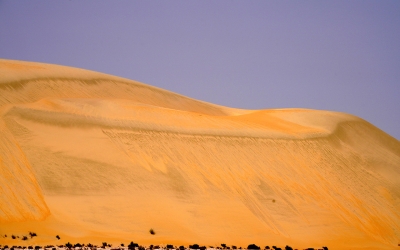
136,246
152,231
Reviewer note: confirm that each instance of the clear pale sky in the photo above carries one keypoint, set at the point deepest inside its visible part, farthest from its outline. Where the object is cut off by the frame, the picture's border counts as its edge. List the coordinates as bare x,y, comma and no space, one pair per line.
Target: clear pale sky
331,55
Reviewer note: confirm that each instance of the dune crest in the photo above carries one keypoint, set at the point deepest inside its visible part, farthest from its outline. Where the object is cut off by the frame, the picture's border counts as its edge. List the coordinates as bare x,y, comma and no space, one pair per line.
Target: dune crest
89,156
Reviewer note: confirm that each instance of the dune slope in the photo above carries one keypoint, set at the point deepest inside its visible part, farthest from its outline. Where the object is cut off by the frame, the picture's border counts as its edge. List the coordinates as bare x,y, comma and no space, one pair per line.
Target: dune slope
94,157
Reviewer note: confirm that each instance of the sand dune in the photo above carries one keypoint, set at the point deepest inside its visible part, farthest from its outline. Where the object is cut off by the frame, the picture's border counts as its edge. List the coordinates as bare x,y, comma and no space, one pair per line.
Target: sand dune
93,157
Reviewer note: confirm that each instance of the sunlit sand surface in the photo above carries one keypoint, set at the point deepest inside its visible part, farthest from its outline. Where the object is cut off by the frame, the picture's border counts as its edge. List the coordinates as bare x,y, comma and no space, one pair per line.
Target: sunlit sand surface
93,157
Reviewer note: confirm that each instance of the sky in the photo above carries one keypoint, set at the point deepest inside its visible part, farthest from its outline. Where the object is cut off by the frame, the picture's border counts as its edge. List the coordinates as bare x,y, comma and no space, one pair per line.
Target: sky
326,55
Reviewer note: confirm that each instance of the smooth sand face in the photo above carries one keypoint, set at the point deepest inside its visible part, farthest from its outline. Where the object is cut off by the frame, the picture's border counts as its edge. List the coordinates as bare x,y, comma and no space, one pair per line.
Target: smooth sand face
92,157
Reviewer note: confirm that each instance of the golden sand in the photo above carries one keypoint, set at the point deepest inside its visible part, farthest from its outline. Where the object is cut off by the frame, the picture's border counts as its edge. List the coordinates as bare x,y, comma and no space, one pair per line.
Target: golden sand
92,157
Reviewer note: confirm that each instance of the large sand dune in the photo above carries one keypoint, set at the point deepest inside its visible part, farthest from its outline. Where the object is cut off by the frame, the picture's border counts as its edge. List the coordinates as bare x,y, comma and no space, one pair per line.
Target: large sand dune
93,157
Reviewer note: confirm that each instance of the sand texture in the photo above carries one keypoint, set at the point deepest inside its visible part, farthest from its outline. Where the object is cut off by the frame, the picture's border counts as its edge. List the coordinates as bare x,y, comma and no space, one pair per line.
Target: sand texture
93,157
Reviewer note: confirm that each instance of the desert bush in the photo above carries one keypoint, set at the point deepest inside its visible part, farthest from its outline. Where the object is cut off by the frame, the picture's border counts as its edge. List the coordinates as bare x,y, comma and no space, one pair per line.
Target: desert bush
234,247
288,248
253,246
152,231
181,248
170,246
24,237
68,245
266,247
30,247
132,245
223,245
194,246
37,247
326,248
32,234
122,244
13,237
203,248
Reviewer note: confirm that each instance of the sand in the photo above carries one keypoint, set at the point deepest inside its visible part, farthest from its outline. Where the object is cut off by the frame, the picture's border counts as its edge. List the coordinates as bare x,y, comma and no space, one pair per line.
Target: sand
93,157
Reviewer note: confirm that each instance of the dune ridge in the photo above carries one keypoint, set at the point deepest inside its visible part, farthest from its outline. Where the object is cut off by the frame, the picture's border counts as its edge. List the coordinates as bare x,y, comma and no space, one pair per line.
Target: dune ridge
86,155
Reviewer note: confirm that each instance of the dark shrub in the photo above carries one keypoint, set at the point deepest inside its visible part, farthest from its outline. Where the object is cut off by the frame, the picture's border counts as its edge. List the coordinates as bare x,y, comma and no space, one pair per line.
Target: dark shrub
77,245
194,246
181,248
234,247
152,231
32,234
223,245
132,245
170,246
326,248
253,246
68,245
30,247
24,237
122,244
288,248
203,248
266,247
37,247
13,236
